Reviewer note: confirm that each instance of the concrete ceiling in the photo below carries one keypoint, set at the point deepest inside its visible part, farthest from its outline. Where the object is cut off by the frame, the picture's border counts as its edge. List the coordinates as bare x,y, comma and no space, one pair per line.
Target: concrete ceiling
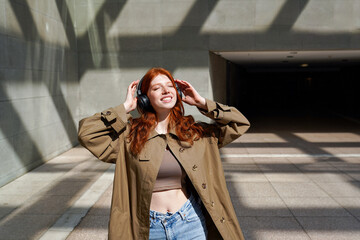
293,59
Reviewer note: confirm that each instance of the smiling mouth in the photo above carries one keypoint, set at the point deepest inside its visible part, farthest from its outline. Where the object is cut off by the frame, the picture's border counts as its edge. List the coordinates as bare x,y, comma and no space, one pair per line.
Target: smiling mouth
166,99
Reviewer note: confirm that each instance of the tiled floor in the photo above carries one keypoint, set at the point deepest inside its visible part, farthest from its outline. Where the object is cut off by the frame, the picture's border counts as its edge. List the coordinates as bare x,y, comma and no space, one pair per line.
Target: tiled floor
287,179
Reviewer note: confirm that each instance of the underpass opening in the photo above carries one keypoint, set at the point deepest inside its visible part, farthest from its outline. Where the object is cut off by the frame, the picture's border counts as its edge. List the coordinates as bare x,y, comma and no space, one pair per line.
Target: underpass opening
278,87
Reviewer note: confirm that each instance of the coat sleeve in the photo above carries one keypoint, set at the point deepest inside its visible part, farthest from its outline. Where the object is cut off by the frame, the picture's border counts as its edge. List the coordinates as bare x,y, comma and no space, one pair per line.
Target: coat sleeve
101,133
229,122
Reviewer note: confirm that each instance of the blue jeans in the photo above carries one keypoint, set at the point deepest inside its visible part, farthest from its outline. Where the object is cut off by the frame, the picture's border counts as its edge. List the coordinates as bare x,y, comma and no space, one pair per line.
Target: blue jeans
187,223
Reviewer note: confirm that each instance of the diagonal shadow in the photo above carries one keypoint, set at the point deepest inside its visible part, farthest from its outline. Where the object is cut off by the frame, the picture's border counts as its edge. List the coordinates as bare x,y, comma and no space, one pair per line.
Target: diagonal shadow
42,56
190,26
42,209
284,15
29,155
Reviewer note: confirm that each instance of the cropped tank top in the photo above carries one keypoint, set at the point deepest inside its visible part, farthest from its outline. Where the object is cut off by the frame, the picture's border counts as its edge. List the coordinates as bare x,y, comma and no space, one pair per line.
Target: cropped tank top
171,175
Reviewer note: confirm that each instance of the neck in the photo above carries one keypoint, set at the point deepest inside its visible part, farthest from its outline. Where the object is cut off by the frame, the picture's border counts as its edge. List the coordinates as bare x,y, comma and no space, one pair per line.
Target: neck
162,124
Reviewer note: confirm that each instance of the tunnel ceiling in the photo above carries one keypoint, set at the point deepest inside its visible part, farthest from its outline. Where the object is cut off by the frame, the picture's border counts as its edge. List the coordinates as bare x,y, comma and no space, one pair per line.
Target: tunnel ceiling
293,60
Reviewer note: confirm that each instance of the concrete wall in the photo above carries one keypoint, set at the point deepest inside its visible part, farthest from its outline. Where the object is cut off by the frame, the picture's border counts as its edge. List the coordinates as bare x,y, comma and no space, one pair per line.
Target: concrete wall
218,71
135,36
119,40
66,59
39,87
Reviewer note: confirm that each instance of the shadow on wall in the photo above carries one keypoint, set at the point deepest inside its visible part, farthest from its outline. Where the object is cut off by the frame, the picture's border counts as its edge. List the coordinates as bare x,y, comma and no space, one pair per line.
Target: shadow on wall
33,63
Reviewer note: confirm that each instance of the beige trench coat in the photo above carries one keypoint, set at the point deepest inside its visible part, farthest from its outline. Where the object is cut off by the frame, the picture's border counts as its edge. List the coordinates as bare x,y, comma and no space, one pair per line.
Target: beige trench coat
104,134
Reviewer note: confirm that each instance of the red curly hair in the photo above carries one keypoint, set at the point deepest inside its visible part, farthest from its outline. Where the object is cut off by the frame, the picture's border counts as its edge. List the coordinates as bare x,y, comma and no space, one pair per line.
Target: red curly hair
185,126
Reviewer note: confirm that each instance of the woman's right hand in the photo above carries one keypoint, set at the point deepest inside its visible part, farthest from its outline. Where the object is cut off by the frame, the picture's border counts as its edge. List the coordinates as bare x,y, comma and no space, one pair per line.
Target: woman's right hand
131,101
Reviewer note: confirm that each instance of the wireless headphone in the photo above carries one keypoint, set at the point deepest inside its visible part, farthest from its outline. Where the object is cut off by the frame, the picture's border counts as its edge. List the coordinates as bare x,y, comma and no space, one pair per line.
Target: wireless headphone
143,101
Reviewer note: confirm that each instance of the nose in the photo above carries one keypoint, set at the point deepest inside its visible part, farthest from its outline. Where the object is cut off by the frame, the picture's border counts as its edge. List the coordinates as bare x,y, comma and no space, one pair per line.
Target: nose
165,89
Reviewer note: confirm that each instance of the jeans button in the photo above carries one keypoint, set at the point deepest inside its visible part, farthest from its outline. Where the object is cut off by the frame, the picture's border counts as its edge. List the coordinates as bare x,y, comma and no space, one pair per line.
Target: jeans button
222,220
204,185
212,204
181,150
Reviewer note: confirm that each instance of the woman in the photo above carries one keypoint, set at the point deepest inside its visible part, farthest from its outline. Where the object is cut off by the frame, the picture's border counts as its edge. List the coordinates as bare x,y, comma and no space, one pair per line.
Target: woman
169,182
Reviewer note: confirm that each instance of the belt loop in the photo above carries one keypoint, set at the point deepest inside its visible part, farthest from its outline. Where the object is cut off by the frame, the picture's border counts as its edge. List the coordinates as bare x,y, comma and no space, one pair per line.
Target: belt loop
182,215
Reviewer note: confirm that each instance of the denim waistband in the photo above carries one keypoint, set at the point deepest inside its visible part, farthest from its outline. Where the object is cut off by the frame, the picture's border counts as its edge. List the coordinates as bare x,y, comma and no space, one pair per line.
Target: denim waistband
182,212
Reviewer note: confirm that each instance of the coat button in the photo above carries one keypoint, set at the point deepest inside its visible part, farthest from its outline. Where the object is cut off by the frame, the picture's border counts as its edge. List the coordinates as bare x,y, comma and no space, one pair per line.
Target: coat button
194,168
222,220
181,149
204,185
108,113
212,204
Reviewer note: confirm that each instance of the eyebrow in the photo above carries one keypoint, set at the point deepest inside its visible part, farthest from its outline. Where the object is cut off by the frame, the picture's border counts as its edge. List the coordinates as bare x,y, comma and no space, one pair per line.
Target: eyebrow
156,84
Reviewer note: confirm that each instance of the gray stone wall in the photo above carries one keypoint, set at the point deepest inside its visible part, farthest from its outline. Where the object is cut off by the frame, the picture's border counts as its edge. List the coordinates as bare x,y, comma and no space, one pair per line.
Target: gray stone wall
39,86
61,60
119,40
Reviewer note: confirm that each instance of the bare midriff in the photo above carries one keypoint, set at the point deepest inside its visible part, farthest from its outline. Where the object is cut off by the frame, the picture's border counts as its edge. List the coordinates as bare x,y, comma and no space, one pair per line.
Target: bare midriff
169,200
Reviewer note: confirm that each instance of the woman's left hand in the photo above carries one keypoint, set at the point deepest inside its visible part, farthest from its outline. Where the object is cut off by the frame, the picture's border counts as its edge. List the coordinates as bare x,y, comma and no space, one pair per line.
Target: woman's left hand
190,95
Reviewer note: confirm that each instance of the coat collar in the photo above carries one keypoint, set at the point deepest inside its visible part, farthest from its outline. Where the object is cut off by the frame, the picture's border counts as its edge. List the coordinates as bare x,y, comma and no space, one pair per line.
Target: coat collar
154,133
172,133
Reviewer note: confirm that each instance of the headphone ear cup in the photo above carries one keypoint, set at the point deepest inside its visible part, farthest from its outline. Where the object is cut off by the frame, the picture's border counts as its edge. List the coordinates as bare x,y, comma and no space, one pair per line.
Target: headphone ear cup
143,102
179,91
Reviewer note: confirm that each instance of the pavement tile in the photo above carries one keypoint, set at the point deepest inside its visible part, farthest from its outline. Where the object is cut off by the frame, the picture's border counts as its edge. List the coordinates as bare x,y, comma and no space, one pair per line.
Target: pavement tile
354,160
317,167
54,235
278,167
272,228
337,150
341,189
24,187
240,168
54,205
14,200
25,226
91,227
264,206
252,137
354,176
6,210
56,168
239,160
267,161
331,228
238,189
329,177
324,206
245,177
71,188
287,177
347,167
75,153
302,160
352,204
81,176
307,189
263,148
102,206
234,150
40,176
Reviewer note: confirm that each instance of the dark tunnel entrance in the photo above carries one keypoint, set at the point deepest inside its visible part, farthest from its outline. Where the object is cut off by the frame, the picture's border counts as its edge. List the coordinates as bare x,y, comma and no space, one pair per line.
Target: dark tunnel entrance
276,92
